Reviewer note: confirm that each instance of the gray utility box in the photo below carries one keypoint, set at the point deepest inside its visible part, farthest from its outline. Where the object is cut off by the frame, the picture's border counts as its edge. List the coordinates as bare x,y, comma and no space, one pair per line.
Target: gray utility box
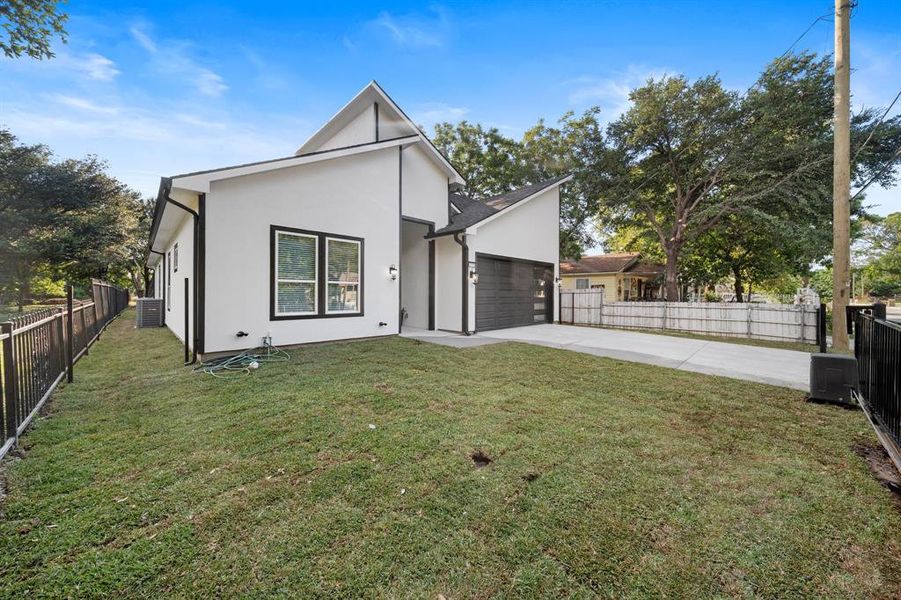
150,312
833,377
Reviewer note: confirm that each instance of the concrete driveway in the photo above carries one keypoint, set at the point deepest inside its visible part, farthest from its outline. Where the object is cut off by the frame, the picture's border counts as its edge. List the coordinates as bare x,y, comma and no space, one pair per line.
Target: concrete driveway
786,368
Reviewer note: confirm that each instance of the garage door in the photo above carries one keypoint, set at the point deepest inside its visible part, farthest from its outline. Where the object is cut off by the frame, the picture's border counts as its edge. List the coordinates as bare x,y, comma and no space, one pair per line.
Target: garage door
513,292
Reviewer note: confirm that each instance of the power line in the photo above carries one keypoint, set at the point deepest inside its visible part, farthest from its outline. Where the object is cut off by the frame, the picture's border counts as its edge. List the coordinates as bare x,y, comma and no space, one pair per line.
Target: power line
888,165
876,126
806,31
686,145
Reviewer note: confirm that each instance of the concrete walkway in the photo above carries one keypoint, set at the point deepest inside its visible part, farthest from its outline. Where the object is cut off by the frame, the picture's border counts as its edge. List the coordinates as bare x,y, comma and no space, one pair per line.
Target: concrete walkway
786,368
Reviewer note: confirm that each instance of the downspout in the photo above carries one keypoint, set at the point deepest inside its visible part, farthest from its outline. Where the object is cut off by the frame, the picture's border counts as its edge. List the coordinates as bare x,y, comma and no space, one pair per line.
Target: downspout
196,217
465,273
163,283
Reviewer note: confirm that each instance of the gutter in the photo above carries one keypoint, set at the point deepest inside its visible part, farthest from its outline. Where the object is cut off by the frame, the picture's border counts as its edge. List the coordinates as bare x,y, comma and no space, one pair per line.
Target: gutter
465,254
165,188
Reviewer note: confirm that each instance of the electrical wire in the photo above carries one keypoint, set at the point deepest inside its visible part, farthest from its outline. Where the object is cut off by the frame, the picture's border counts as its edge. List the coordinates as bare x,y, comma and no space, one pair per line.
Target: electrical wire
650,176
888,165
876,126
241,364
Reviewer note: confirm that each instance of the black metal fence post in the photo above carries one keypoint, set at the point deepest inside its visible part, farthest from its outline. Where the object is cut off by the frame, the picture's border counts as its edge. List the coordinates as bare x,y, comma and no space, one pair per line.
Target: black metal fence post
9,380
70,360
821,328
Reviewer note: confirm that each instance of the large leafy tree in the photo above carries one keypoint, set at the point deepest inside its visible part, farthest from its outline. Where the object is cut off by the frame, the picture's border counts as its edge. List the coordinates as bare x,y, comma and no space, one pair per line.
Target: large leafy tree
68,218
28,26
881,251
492,164
696,163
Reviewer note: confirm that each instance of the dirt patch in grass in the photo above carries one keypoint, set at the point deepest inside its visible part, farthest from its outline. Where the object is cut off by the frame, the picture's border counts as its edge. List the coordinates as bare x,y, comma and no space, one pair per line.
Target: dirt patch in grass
881,466
480,459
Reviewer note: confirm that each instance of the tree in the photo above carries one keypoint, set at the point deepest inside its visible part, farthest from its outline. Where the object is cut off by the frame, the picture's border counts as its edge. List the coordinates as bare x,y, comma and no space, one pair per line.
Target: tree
67,218
492,164
691,158
881,251
27,26
488,160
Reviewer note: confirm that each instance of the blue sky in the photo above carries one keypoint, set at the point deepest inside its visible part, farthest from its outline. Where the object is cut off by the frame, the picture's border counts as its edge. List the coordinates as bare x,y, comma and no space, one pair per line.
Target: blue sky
169,87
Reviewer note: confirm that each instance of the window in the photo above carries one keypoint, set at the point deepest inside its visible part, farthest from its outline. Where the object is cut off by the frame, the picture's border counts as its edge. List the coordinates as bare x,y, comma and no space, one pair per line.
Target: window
581,284
169,281
175,257
343,260
314,274
297,266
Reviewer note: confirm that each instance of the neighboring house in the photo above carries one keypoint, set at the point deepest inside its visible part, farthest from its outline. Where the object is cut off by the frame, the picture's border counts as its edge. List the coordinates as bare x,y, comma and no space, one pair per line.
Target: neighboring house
622,276
363,224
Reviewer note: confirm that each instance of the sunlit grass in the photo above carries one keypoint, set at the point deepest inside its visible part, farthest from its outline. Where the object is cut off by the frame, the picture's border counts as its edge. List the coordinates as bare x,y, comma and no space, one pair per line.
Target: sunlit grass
607,478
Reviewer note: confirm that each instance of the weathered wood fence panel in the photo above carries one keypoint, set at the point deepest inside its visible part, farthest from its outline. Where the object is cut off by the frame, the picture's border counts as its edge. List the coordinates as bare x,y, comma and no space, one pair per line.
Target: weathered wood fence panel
781,322
38,349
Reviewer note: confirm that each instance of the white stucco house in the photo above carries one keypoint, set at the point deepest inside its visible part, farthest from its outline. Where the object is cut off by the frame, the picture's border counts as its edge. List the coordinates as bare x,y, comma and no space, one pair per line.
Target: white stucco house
361,233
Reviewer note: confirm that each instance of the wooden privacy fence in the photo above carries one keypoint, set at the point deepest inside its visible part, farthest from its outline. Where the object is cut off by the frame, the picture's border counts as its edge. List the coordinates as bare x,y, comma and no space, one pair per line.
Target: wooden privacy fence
783,322
40,348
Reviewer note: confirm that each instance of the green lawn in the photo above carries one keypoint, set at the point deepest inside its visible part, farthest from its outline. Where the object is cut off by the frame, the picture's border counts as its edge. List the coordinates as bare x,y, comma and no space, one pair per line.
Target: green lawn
608,478
11,311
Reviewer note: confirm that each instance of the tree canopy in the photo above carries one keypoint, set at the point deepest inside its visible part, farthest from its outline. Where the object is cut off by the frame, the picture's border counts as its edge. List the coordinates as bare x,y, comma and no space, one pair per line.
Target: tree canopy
28,26
65,219
493,163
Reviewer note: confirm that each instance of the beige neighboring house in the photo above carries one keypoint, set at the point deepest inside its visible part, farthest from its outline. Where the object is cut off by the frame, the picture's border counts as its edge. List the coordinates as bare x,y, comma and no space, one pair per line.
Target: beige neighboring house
622,276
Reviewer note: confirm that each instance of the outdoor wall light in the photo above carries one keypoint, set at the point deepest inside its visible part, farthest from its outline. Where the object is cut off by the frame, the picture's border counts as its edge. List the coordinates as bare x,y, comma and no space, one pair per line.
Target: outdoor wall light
392,271
473,277
558,282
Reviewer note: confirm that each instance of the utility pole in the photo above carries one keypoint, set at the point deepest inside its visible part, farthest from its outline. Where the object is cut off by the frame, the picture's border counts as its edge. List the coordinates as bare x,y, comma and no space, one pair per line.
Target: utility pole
841,176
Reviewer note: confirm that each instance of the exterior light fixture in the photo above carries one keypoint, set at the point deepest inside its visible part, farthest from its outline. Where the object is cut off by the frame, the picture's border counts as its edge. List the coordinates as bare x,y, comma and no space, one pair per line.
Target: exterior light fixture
473,277
392,271
558,282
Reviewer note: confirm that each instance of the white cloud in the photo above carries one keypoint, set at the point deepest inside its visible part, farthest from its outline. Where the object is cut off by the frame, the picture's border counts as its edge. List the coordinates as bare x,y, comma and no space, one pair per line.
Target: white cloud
143,39
82,104
210,83
435,112
611,93
172,59
92,65
415,31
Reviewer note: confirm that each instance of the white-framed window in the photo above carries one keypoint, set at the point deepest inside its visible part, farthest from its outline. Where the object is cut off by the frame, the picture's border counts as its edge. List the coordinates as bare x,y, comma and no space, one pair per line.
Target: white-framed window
582,283
296,274
342,259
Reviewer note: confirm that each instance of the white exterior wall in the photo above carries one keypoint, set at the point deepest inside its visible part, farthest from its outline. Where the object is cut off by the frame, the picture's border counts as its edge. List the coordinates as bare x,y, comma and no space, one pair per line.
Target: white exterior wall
448,296
175,306
414,274
359,131
391,127
424,187
530,231
355,196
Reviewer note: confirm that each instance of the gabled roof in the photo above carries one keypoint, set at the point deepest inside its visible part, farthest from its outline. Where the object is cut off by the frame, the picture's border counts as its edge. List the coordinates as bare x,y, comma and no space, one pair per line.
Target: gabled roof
601,263
646,269
373,93
475,211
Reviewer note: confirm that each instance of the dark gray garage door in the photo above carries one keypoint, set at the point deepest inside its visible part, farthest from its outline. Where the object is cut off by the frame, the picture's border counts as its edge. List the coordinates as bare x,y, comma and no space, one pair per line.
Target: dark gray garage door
512,292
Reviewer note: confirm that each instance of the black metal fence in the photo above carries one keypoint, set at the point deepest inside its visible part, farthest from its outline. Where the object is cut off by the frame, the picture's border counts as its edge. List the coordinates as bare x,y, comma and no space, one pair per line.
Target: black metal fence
38,349
877,346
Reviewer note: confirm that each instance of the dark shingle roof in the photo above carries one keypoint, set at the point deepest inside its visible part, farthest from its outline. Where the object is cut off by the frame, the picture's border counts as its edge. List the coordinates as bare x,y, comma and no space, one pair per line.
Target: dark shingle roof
474,211
602,263
646,269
